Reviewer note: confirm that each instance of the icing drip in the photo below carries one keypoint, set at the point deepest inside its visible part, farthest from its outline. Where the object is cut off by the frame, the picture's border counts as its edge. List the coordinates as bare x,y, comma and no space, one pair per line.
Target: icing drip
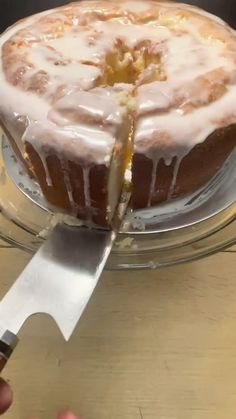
174,178
153,181
69,189
45,166
43,156
86,173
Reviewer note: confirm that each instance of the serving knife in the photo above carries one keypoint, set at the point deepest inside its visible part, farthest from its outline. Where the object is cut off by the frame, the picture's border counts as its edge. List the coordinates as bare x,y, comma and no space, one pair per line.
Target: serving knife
58,281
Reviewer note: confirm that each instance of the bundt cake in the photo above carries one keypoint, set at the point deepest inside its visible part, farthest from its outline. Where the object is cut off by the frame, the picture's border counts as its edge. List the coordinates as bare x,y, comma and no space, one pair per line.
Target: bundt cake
96,90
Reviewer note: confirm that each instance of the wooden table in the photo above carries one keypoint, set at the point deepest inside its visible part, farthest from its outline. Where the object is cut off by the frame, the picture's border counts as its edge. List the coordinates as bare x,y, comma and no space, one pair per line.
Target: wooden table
151,345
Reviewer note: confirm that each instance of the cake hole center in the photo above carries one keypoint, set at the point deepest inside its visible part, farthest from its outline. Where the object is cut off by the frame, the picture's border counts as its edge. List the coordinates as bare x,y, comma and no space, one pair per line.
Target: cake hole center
133,66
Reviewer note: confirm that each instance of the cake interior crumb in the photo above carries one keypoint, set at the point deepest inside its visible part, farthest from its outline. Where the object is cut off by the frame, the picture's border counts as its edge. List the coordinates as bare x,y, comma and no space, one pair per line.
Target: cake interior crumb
126,65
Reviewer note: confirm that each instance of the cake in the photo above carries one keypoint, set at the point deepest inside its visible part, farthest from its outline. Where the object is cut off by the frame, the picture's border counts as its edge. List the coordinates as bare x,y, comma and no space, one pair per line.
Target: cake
96,93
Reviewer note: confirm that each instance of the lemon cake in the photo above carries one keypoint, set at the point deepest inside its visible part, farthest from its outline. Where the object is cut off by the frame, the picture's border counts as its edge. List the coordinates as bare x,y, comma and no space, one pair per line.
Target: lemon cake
94,88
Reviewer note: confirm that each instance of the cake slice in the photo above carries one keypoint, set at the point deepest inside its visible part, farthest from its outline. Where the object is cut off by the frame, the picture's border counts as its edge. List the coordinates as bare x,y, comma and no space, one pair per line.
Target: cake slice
78,156
71,135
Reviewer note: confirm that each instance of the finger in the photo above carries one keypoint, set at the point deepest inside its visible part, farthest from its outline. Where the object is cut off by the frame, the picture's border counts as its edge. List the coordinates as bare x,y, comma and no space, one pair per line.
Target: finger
68,415
5,396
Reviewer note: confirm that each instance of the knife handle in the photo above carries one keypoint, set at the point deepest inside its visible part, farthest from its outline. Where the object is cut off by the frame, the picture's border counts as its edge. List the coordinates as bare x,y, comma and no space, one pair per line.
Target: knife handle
8,342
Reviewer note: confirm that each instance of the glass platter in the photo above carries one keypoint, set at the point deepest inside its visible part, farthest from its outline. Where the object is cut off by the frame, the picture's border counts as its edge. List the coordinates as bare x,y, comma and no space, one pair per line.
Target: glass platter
182,231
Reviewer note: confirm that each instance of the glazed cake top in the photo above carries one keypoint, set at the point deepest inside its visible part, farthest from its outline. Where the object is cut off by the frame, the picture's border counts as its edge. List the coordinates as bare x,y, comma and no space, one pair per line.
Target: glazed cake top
72,75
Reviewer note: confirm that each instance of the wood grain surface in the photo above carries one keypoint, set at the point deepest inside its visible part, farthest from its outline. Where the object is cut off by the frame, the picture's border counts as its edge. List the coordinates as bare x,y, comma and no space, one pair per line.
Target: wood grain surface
151,345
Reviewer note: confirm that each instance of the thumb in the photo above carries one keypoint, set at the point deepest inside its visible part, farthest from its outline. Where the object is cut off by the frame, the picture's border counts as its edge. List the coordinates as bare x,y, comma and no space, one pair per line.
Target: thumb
5,396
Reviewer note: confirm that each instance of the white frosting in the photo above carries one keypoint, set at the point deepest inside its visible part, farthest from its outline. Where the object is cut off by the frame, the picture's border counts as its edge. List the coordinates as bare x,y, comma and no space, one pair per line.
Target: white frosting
132,33
136,6
74,72
175,111
178,130
96,140
76,48
97,105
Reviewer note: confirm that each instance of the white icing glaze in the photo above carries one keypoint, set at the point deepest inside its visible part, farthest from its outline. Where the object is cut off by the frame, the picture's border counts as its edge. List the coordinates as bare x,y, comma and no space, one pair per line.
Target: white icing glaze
174,178
97,141
132,34
43,158
136,6
68,185
153,180
84,121
73,73
170,131
201,59
73,47
97,106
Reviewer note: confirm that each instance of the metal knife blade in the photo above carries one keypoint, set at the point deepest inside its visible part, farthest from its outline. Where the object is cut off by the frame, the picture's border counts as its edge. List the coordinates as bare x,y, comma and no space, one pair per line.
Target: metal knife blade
59,279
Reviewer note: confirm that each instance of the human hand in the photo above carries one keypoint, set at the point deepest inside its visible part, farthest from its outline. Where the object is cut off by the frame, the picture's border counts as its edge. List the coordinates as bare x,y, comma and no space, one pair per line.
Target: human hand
6,398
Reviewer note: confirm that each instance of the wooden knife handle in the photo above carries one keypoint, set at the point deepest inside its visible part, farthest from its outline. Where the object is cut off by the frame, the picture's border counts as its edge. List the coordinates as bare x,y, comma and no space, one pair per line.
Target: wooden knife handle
3,361
8,342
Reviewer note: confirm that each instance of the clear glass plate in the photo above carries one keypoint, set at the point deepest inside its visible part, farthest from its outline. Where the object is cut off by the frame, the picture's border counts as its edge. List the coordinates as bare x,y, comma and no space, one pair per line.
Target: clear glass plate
173,233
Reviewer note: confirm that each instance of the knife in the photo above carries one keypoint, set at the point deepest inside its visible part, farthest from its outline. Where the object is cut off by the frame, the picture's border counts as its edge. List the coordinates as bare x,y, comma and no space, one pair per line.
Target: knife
58,281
